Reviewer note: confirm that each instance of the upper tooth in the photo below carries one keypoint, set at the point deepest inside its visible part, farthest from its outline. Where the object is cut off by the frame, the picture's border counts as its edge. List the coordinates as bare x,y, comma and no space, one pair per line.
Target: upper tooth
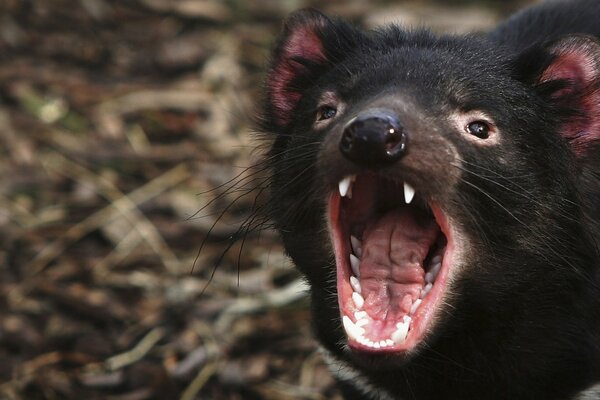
354,263
409,193
345,184
356,246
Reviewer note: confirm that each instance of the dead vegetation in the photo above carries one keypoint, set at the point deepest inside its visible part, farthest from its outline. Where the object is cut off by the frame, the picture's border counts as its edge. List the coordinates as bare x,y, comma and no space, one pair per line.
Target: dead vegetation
119,121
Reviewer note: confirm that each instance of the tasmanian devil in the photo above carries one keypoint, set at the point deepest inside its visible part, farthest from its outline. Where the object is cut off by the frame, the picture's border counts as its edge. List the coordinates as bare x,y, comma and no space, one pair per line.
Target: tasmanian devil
441,194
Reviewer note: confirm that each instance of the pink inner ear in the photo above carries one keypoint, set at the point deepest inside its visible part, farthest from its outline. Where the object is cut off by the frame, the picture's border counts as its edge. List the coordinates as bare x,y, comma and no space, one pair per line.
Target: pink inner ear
578,67
302,43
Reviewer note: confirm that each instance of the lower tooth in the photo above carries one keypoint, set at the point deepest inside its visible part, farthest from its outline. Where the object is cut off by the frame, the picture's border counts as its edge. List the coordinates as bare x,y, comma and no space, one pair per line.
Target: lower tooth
360,315
429,277
354,264
355,283
359,301
356,246
415,305
351,329
426,289
400,333
435,269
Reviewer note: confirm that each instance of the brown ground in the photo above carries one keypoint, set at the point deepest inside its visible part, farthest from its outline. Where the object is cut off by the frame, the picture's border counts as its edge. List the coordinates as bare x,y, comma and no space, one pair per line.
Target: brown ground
118,119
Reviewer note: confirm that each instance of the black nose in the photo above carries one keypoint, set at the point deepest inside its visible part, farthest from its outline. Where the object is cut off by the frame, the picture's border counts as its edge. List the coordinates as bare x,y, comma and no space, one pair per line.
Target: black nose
374,139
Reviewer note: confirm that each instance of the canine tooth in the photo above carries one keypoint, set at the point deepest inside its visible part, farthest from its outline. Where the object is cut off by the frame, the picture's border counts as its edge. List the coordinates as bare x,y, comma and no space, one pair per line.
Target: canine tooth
344,185
354,263
356,246
358,300
409,193
355,283
360,315
361,322
436,260
351,329
400,333
415,305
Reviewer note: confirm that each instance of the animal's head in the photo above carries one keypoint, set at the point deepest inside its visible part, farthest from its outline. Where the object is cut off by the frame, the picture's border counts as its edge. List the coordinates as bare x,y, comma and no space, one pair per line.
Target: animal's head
427,187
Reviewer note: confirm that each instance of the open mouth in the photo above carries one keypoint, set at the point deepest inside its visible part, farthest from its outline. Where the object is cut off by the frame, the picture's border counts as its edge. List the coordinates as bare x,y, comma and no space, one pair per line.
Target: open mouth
393,254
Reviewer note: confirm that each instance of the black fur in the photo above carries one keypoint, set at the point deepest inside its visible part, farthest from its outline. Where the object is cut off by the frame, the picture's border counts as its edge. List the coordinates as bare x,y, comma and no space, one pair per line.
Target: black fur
523,320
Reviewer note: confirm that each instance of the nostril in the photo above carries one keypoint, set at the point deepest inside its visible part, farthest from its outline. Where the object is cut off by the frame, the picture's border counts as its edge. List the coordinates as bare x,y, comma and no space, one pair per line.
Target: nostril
347,140
395,141
374,138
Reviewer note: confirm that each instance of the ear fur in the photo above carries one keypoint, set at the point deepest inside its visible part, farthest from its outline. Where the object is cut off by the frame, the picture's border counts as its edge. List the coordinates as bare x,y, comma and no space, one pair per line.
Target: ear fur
566,72
298,56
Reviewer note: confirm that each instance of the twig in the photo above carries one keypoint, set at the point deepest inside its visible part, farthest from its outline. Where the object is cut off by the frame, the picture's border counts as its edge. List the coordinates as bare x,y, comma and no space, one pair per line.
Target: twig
199,381
272,299
138,220
99,218
137,353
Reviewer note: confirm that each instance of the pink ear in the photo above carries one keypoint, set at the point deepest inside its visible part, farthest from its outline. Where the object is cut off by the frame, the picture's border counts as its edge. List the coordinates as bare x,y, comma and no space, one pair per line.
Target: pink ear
297,56
576,65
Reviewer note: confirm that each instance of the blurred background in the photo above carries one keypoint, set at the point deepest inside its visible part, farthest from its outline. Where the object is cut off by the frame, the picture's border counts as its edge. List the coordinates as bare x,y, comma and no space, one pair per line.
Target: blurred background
125,137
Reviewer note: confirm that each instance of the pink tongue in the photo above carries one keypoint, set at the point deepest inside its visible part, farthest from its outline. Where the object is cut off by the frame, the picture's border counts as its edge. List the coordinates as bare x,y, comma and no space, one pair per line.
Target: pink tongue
391,267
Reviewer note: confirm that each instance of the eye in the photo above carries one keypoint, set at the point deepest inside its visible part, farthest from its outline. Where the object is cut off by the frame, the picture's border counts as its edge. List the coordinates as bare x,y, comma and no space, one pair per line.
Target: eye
481,129
326,112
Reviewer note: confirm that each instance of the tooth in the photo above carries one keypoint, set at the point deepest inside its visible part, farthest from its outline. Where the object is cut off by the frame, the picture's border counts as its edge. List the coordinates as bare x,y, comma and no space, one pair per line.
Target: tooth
400,333
415,305
389,342
426,289
360,315
362,322
351,329
435,270
355,283
358,300
356,246
376,345
354,263
429,278
436,259
383,343
409,193
344,185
